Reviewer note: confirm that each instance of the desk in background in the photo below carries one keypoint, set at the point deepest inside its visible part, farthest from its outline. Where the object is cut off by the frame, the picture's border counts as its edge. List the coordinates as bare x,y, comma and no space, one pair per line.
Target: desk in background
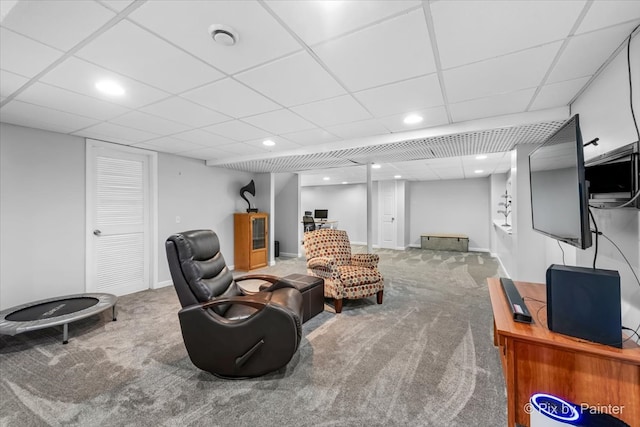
537,360
329,223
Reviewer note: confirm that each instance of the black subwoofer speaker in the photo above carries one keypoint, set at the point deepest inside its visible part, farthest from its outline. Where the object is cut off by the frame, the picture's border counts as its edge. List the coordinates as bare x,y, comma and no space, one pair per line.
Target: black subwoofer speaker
585,303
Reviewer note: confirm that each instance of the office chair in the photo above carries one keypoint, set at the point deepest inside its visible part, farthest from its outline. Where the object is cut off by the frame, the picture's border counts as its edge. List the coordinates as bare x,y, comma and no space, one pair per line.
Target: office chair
309,223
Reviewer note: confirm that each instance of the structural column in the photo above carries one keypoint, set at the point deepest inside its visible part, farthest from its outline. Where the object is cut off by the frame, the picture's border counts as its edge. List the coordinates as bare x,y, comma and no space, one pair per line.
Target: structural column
369,210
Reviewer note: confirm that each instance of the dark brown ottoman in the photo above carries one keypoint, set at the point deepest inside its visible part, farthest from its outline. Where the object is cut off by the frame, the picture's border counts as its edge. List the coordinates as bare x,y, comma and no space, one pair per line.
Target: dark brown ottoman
312,289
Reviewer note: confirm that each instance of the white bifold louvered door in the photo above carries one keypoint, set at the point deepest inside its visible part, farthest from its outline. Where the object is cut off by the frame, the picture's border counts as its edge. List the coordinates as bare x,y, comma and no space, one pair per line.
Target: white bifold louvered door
118,223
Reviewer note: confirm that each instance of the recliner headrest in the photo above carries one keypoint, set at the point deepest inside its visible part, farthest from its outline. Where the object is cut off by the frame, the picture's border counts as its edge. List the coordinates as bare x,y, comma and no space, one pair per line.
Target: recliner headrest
198,245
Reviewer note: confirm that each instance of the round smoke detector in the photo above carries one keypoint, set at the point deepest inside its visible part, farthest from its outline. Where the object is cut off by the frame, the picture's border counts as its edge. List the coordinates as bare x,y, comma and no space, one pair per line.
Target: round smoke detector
223,34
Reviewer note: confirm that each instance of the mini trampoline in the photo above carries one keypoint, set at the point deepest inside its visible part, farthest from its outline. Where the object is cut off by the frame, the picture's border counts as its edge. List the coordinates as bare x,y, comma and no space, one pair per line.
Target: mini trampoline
53,312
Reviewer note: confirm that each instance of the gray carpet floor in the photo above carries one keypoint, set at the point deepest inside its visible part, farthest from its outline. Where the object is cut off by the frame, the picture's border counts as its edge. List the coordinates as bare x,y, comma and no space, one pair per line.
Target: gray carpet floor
425,357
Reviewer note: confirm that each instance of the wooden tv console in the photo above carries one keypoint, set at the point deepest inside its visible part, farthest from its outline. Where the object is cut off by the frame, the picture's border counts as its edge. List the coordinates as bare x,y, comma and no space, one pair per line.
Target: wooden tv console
537,360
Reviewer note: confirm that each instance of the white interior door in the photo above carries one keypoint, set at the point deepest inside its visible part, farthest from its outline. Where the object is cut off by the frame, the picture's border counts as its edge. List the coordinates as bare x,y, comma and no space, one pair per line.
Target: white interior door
388,214
118,221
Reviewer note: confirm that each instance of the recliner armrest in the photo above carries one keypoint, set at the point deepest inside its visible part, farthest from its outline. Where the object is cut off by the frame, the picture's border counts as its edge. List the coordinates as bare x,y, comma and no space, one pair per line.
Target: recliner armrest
257,301
321,262
324,267
365,260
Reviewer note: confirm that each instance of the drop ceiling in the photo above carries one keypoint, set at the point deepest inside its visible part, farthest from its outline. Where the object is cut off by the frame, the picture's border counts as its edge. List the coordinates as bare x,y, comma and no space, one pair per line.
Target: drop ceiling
329,82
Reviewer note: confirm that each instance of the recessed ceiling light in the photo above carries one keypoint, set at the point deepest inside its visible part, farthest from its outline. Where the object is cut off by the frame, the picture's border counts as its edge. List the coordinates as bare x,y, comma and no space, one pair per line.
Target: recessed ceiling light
376,166
326,178
397,176
481,157
478,171
223,34
344,182
109,87
412,119
269,143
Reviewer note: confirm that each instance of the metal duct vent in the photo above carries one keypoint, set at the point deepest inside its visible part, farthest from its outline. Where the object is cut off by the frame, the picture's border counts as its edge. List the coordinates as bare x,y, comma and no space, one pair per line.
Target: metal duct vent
461,144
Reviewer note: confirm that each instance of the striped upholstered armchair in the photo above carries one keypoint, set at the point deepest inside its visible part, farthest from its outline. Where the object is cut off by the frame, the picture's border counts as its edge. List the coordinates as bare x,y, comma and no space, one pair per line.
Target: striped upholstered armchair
346,275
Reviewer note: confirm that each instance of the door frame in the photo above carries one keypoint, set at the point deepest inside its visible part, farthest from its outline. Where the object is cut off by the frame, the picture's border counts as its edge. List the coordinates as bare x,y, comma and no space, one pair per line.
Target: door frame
90,146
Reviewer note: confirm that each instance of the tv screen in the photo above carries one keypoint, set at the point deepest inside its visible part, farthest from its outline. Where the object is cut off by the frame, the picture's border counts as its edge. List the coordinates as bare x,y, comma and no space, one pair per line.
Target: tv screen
321,214
559,196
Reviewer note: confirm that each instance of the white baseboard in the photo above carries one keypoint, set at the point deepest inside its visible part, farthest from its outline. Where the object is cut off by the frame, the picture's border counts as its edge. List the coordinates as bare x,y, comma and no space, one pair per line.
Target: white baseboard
501,265
289,255
479,250
163,284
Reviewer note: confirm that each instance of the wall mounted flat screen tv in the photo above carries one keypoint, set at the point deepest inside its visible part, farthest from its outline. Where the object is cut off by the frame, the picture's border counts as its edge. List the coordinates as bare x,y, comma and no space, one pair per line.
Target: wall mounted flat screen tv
559,193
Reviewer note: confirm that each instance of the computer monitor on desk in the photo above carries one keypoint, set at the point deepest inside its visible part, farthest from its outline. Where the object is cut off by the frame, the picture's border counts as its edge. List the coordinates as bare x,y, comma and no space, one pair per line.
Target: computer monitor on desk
321,214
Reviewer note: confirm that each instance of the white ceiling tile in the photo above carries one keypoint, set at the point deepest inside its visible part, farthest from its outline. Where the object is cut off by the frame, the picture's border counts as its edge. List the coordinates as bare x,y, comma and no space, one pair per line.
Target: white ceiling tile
10,82
469,31
149,123
514,102
333,111
35,116
311,137
115,133
237,130
186,24
279,122
315,21
117,5
80,76
61,24
604,13
168,145
24,56
381,54
232,98
162,65
558,94
70,102
584,54
358,129
182,111
296,79
242,149
206,154
282,144
431,117
499,75
201,137
402,97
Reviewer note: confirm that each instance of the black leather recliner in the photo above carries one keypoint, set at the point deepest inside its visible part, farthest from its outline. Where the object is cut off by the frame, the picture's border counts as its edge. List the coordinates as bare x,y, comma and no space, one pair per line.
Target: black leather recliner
226,332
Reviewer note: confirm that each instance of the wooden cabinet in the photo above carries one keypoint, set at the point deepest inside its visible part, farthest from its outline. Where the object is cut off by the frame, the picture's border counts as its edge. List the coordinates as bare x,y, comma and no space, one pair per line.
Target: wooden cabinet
251,240
535,359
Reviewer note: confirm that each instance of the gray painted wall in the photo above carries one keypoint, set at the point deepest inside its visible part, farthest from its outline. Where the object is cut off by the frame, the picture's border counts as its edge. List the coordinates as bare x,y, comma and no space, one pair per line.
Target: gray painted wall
42,215
204,197
346,203
42,211
450,206
604,113
287,221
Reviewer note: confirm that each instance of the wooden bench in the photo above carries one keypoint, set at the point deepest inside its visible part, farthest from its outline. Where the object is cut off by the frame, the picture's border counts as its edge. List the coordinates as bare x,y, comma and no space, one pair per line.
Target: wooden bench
445,242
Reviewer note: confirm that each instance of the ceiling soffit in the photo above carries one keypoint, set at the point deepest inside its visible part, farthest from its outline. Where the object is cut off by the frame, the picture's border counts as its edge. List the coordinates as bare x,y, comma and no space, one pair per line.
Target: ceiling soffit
461,144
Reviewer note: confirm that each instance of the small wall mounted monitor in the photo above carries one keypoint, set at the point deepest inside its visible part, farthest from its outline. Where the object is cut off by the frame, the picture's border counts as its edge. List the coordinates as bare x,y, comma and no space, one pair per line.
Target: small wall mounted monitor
321,214
559,193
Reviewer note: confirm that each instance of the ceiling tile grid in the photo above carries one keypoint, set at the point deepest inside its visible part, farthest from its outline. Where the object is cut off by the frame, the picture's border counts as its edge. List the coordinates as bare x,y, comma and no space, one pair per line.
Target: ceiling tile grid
307,75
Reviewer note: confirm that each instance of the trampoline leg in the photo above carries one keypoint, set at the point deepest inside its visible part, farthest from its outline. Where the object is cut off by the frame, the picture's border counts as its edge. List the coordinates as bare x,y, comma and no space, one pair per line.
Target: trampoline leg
113,312
65,333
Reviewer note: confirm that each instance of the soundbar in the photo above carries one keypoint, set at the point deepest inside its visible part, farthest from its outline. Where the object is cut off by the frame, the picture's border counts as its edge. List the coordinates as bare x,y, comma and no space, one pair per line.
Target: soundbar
518,307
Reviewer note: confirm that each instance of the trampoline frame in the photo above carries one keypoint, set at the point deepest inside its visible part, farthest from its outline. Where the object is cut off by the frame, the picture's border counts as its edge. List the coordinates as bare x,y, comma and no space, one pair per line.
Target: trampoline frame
9,327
